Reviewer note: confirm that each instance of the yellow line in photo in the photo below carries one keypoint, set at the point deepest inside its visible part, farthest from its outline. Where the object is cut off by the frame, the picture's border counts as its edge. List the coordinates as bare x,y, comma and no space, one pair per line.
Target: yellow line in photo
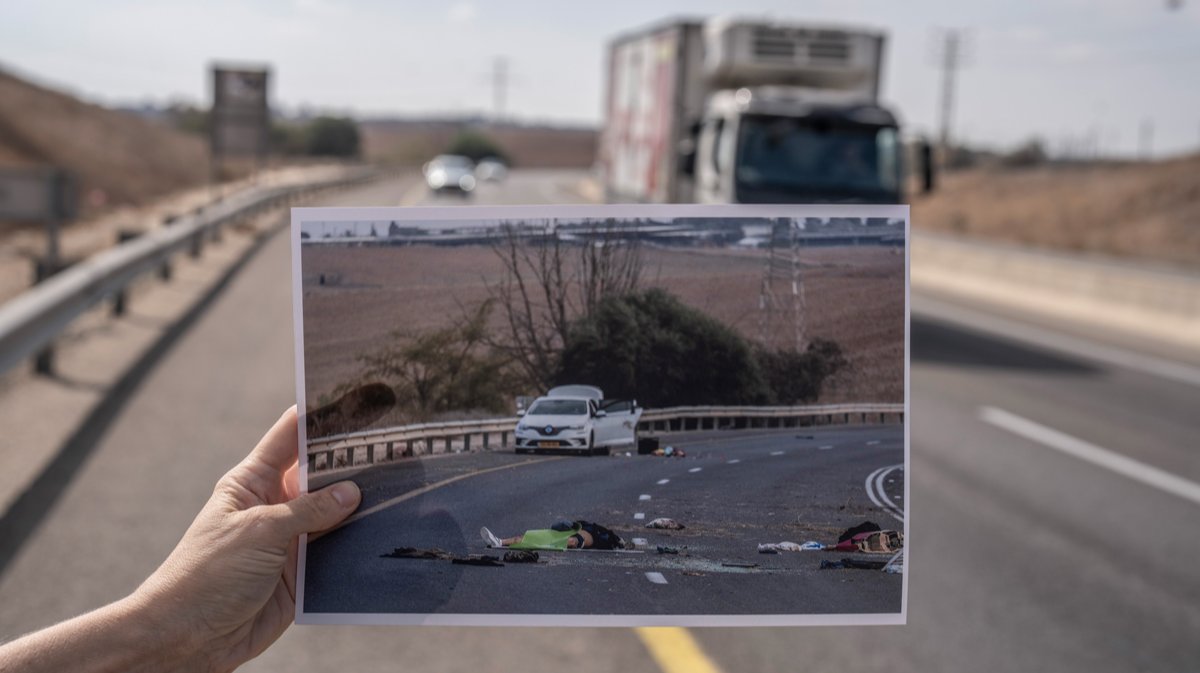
675,650
423,490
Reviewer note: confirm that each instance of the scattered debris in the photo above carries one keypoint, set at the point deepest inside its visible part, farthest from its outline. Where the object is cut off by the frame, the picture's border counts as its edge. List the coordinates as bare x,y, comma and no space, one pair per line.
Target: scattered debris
693,573
477,560
667,550
417,553
805,437
896,564
864,527
669,452
875,542
668,524
740,565
520,556
776,547
849,563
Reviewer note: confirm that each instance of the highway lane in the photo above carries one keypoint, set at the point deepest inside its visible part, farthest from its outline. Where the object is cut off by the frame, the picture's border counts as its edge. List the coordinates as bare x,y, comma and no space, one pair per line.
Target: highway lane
733,491
1023,558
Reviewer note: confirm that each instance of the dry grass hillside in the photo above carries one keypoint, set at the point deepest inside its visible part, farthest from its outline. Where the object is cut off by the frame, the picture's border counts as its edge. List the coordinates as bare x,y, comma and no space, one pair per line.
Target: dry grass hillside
415,142
1140,210
117,158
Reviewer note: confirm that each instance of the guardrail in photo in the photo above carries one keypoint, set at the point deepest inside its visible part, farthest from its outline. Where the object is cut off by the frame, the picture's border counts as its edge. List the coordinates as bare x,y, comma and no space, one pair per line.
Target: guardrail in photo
389,444
30,322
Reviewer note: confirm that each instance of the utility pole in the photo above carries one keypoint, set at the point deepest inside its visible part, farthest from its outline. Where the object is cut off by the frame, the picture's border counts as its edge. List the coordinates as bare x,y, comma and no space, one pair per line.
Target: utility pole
781,310
951,44
499,86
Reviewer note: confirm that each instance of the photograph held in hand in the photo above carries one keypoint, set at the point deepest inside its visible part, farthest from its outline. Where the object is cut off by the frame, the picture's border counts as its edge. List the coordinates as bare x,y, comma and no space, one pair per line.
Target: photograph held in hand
605,415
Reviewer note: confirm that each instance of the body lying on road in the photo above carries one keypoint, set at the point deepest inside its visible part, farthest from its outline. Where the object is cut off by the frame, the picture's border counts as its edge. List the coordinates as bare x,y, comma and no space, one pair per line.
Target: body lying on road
559,537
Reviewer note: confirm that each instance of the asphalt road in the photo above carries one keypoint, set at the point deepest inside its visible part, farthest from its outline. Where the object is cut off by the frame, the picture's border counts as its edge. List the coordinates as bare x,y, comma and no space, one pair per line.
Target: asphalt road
732,491
1023,556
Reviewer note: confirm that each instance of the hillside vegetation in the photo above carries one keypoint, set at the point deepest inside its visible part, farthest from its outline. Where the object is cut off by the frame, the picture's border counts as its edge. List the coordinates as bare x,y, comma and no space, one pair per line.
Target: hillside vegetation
1146,210
117,157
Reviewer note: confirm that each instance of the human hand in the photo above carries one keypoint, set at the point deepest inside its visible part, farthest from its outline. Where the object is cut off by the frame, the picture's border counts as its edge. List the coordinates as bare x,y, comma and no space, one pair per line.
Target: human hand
228,590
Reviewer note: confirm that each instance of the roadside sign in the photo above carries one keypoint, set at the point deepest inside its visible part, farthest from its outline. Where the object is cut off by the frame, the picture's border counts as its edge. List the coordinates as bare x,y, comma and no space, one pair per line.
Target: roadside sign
35,195
240,113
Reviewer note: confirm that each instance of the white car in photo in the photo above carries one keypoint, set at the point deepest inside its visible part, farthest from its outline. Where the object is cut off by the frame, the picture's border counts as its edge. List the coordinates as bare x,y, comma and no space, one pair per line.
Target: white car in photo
577,419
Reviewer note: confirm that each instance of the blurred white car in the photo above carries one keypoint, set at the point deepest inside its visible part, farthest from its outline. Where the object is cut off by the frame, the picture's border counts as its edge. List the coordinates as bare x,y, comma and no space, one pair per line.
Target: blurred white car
491,170
577,419
450,173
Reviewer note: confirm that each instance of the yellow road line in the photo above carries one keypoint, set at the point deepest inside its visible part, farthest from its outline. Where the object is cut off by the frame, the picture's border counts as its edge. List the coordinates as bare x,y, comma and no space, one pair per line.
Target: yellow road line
423,490
675,650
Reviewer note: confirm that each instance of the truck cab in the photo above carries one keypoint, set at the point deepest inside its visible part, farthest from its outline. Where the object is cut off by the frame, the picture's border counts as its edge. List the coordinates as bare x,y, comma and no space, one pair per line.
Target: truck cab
756,146
749,111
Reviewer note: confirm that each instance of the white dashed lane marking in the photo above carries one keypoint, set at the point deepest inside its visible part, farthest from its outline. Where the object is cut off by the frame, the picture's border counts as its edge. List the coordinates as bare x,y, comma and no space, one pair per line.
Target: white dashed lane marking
656,578
734,461
663,481
644,496
776,453
873,442
695,469
825,448
639,516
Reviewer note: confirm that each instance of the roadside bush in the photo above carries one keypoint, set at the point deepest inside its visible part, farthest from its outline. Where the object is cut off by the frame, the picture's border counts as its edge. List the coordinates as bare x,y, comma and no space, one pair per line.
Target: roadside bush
797,378
333,137
477,146
651,347
445,370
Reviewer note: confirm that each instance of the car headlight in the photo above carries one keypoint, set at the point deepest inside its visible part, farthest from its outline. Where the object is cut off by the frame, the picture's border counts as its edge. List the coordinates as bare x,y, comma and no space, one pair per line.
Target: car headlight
467,183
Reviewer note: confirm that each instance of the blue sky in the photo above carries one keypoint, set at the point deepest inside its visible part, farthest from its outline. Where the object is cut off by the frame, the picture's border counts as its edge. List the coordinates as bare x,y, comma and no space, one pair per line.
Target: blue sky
1060,69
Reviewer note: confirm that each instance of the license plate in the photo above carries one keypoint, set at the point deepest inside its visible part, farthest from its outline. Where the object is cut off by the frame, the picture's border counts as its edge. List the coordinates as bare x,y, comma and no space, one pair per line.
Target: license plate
547,445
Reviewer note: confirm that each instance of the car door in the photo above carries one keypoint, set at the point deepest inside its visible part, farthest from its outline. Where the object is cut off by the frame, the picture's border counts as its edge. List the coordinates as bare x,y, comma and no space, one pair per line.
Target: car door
619,422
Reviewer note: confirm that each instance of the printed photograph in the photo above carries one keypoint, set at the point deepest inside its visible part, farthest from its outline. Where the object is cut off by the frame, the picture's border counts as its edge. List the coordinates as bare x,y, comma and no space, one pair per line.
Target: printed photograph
610,415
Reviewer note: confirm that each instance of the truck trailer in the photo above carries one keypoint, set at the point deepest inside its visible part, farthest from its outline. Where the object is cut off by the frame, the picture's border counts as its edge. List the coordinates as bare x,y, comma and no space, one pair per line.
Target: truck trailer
748,111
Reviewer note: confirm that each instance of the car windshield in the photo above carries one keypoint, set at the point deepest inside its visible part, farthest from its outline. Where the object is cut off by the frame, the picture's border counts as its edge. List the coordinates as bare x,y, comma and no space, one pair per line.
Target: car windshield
778,156
558,408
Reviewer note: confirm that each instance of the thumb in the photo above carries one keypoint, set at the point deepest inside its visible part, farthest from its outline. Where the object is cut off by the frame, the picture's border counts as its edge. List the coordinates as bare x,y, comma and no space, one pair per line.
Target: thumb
318,510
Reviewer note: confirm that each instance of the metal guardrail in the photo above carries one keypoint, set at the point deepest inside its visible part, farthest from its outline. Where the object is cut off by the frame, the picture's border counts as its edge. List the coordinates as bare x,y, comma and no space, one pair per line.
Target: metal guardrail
388,444
31,321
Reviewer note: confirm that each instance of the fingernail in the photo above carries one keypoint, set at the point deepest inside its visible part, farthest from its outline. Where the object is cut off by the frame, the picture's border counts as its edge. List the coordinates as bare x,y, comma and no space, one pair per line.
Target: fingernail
345,493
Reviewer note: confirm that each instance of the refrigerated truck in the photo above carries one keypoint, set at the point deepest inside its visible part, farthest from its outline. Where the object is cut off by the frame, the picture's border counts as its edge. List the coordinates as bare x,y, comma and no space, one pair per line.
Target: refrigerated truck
748,111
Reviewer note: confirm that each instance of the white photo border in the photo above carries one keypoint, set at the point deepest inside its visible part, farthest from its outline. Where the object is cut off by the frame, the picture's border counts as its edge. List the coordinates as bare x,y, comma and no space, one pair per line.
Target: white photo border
299,216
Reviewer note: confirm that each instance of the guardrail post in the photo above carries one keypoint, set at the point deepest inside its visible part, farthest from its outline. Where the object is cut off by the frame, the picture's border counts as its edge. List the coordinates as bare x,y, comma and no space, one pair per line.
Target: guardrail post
312,462
408,449
118,309
486,441
504,439
391,451
370,454
197,245
467,443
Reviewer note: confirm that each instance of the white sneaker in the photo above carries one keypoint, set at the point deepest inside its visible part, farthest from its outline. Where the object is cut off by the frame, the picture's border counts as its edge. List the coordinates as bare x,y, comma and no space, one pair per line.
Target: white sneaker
490,538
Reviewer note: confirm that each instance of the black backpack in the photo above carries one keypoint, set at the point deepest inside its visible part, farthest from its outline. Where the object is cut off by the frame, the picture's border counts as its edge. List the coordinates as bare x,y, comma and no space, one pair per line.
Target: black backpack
602,538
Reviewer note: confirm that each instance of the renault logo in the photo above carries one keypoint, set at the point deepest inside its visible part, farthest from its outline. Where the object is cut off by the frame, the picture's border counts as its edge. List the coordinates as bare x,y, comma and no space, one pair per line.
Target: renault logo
549,429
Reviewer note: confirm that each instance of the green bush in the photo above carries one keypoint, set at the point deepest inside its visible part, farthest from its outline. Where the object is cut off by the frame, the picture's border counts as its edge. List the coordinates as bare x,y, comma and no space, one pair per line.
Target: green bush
797,378
477,146
652,347
333,137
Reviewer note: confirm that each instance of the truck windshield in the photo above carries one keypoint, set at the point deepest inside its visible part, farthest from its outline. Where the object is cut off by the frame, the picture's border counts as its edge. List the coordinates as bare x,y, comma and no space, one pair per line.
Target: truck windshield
558,408
789,159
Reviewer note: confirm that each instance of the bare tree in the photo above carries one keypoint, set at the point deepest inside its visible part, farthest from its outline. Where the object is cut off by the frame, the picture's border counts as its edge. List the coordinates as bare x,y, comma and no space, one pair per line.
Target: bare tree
554,276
